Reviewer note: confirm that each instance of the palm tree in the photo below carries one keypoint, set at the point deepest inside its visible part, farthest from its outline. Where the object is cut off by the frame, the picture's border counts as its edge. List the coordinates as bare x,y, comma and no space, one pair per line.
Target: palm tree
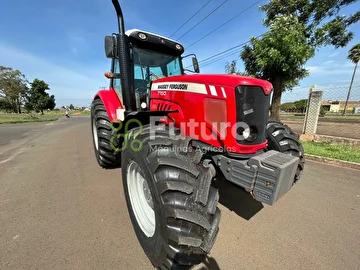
354,56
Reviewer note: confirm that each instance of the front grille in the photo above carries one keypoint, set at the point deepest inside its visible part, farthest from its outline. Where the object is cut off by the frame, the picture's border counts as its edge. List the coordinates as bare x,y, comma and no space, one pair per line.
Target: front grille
163,107
252,111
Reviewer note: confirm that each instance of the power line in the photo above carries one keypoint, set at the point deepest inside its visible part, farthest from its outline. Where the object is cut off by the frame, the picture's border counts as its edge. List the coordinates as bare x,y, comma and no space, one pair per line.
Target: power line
237,15
190,18
225,53
218,59
203,19
228,52
230,49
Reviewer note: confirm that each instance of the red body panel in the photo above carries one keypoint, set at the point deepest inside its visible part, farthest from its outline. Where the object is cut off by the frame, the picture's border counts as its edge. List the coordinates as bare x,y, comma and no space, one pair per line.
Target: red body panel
190,101
220,80
111,102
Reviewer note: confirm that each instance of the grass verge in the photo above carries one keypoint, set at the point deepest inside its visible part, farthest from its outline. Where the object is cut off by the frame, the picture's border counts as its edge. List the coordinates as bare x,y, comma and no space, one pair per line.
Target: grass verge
332,150
24,119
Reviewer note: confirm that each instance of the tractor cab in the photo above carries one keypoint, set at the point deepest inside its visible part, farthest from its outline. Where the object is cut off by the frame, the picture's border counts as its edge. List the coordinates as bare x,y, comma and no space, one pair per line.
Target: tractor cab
151,57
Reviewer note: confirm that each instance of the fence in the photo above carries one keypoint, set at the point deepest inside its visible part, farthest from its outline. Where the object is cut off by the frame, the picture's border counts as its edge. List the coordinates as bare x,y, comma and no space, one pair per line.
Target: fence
321,110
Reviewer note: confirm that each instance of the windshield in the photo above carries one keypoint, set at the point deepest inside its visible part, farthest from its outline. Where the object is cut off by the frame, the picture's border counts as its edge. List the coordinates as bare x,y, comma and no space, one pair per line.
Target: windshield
149,66
150,63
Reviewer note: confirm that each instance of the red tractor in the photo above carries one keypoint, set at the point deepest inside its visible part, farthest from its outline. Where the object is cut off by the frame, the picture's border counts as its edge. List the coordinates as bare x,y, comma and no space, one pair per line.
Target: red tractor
172,134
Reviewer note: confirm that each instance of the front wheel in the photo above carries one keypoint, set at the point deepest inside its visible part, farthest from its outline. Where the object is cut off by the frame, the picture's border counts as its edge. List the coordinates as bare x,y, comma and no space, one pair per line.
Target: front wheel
171,203
281,138
105,138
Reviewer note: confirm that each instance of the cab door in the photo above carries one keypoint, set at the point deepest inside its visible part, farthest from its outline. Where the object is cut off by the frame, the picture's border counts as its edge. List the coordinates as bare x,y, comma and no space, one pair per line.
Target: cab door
116,83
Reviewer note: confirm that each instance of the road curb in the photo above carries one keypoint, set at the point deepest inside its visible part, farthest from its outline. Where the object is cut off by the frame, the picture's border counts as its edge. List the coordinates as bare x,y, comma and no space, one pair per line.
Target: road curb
339,140
335,162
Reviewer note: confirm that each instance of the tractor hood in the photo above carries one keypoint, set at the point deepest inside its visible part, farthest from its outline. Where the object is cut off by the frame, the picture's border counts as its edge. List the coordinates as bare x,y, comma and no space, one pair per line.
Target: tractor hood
225,80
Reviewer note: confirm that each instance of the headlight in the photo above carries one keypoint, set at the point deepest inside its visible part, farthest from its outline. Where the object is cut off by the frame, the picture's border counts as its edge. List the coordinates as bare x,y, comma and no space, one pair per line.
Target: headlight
245,132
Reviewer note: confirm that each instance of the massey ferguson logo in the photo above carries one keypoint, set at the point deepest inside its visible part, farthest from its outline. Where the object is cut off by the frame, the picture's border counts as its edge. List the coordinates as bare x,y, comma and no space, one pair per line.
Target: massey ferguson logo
171,86
197,88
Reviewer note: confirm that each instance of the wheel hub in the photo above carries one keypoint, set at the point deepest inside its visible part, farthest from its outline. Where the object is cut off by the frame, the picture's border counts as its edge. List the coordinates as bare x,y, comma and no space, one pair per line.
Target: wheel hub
95,135
141,199
147,195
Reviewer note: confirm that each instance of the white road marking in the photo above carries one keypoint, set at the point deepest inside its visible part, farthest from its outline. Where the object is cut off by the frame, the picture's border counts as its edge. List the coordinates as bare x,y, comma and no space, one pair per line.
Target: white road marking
10,158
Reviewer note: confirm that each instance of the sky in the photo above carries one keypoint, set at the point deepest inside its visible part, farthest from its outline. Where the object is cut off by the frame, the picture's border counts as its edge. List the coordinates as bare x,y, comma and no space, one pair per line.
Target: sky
62,42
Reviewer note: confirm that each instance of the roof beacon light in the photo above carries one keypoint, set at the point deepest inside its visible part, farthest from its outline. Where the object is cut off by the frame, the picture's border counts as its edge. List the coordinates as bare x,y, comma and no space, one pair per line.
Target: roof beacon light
178,47
142,36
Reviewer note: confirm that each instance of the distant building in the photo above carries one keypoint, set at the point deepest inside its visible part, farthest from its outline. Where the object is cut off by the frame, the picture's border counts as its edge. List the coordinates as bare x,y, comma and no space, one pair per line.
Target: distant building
331,106
357,110
337,106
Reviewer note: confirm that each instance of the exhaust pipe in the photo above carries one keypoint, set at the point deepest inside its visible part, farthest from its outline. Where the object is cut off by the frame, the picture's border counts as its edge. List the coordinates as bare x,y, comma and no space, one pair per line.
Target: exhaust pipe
123,51
119,16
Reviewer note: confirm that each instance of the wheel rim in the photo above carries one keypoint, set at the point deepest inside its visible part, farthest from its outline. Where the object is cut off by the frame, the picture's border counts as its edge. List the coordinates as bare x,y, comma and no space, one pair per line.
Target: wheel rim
95,135
141,199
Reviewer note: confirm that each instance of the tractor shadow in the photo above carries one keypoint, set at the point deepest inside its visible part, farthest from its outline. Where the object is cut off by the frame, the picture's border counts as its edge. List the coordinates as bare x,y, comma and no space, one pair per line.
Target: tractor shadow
208,264
237,199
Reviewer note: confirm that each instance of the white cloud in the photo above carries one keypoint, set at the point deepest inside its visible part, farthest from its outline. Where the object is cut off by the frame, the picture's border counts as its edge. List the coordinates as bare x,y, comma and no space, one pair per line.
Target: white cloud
328,62
334,54
331,68
66,84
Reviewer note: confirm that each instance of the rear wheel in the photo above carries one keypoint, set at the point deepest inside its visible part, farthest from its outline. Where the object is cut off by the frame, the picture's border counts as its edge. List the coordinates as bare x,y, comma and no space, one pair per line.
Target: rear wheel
281,138
171,203
105,137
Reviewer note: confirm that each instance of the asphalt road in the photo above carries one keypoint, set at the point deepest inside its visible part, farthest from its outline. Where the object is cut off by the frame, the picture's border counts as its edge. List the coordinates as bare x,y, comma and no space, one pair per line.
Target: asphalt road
59,210
14,132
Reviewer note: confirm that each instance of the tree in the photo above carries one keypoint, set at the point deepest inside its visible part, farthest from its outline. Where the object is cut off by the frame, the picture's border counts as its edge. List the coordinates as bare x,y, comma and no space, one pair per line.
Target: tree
37,98
354,56
13,88
231,68
5,105
301,104
288,106
295,32
71,107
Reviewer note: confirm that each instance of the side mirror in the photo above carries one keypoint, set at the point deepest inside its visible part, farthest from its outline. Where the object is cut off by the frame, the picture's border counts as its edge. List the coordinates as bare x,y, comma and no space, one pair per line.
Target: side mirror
194,62
196,65
110,47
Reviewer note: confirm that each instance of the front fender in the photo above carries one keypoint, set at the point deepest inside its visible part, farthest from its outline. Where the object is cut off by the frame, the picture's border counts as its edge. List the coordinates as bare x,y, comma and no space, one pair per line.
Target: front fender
111,102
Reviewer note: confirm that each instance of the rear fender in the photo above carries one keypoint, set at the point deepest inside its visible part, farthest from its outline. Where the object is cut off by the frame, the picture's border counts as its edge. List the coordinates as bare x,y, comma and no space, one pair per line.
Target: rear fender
111,103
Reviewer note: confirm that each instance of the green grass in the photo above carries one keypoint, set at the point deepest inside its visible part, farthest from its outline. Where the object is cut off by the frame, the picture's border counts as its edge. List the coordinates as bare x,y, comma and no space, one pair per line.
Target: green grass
8,119
332,150
74,112
54,113
85,113
13,118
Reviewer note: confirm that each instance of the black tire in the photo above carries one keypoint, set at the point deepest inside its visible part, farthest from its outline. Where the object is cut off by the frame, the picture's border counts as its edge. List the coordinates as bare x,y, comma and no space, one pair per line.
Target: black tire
105,139
281,138
185,204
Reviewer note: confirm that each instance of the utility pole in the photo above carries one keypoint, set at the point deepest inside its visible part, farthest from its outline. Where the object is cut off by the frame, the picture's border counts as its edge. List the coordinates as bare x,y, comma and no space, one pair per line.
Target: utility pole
349,92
